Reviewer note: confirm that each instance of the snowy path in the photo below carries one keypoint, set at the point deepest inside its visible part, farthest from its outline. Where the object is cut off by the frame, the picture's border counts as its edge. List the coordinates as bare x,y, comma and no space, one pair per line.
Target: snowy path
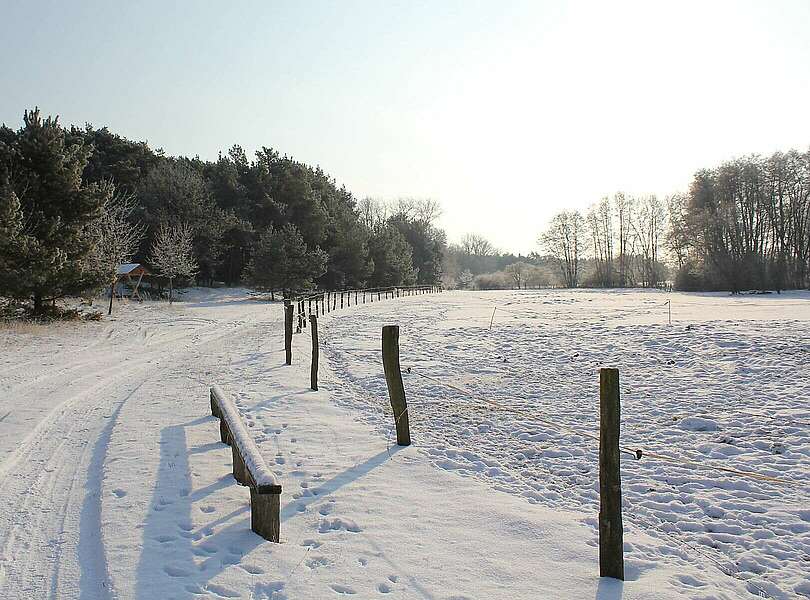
60,400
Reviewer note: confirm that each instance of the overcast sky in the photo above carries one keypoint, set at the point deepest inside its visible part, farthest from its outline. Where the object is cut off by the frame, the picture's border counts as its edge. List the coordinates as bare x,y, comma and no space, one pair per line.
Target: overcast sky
504,112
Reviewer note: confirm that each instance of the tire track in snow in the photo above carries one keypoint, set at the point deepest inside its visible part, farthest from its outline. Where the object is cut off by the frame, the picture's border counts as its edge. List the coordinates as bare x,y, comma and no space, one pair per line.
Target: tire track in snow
51,485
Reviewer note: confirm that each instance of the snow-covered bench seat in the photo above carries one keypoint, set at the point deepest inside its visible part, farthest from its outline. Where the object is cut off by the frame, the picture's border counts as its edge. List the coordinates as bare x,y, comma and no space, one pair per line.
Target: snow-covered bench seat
249,467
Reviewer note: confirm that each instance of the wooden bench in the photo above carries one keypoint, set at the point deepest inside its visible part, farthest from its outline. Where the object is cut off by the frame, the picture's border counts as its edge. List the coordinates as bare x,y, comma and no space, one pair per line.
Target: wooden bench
249,468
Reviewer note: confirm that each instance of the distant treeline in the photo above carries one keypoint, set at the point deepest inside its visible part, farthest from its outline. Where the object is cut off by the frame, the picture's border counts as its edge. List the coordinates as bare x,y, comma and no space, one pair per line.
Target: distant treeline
743,225
269,221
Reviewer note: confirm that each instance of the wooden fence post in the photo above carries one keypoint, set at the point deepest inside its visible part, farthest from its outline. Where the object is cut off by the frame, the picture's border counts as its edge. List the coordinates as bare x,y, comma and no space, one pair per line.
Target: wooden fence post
288,330
611,534
313,371
393,378
341,299
297,307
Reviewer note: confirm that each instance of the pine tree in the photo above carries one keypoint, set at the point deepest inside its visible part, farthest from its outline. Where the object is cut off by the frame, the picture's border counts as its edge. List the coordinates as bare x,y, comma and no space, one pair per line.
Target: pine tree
41,190
282,261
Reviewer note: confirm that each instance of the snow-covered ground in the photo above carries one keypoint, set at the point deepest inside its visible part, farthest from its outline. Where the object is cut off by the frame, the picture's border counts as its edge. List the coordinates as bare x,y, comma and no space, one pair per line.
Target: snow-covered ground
727,385
113,483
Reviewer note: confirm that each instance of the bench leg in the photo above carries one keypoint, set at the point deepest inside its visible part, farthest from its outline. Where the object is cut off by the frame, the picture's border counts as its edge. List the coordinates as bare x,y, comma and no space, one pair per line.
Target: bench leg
239,470
224,434
265,515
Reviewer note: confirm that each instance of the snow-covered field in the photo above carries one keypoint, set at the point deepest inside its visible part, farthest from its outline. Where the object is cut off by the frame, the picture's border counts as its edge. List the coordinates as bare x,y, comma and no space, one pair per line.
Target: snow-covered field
113,483
727,385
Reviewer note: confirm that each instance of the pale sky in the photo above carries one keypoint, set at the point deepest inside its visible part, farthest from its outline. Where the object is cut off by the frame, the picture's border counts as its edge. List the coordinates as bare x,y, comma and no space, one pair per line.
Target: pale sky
504,112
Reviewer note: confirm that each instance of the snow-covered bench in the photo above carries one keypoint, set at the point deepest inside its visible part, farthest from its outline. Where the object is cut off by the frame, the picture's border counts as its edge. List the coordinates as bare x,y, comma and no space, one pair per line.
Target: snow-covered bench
249,467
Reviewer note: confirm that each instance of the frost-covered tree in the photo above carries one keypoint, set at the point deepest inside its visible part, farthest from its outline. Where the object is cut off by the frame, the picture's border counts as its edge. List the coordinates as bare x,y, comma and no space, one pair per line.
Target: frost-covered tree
465,279
173,253
519,272
115,238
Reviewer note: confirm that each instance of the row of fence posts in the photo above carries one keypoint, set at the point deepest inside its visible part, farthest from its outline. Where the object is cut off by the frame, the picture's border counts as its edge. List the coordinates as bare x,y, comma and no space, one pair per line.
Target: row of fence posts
611,530
325,302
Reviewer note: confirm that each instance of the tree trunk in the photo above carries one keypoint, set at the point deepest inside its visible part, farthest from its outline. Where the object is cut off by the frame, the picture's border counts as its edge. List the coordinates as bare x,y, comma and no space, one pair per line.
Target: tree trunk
112,295
37,304
170,290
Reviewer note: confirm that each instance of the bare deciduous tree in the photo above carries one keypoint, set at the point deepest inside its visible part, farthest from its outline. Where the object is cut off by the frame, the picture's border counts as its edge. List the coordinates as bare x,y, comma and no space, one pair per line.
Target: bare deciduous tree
562,241
518,271
600,226
476,245
648,222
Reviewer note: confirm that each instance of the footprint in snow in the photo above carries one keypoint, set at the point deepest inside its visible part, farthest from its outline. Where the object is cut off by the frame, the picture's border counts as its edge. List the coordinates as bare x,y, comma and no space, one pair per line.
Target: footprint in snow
222,591
173,571
273,590
342,589
317,561
253,569
338,524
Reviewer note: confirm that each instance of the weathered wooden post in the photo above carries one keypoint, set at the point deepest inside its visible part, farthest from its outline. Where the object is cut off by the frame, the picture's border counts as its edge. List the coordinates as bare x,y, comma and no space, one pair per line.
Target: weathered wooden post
341,299
288,330
356,293
611,534
313,371
265,513
364,296
378,295
393,378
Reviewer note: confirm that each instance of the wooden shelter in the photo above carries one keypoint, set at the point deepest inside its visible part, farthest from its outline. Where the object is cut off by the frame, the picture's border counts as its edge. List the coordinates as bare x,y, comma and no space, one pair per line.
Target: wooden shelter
127,274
